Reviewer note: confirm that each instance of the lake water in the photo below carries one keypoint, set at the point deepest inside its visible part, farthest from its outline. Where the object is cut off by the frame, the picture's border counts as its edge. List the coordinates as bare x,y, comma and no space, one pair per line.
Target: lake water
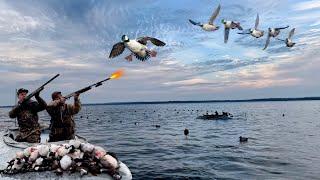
278,148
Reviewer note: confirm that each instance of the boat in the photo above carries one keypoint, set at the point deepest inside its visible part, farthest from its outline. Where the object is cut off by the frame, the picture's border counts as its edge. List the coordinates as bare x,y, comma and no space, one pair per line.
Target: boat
11,133
215,117
8,148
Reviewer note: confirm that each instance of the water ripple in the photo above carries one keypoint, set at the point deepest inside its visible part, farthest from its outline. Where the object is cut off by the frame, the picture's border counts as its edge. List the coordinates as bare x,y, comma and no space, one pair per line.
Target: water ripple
278,147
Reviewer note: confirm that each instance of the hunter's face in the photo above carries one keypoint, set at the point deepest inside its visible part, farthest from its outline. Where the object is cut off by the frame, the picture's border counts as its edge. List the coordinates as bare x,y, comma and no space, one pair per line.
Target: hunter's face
61,98
58,97
21,96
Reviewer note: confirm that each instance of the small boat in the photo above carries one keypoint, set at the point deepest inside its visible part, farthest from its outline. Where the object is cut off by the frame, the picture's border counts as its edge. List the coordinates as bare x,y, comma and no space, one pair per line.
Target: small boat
9,147
11,133
215,117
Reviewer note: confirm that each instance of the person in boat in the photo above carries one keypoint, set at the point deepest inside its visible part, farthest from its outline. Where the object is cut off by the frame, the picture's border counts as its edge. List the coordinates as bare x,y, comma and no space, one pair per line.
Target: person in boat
62,125
216,113
27,117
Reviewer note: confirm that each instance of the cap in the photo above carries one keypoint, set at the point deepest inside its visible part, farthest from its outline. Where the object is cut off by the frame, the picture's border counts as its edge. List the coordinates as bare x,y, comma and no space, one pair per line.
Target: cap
21,90
55,94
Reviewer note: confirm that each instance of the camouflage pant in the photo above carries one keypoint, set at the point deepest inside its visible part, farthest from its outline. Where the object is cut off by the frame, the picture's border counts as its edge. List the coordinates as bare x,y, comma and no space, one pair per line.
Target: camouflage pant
61,134
31,136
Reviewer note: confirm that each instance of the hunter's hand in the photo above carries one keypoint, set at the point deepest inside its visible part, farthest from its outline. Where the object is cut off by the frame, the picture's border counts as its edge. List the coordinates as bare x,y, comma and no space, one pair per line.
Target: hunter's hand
76,96
18,106
38,93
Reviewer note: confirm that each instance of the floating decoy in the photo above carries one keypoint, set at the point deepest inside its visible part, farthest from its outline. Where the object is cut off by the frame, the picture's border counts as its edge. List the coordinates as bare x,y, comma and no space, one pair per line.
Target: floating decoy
243,139
186,132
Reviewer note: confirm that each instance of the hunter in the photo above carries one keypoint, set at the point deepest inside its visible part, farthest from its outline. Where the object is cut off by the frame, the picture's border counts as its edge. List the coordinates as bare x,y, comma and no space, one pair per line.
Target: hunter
26,113
62,125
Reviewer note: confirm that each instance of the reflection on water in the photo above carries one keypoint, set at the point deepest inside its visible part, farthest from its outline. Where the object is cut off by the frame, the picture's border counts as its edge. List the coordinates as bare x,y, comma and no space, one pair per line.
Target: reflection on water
278,147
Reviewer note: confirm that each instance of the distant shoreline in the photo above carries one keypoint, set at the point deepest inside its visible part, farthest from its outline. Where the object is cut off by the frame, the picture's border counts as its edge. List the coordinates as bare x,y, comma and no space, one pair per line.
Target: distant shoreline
201,101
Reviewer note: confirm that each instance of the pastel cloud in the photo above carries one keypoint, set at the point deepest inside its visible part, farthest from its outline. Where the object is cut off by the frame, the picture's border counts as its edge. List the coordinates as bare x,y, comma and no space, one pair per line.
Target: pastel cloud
307,5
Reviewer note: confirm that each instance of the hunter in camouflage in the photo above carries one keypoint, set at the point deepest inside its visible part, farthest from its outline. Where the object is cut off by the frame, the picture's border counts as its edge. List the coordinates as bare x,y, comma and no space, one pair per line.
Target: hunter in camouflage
27,116
62,125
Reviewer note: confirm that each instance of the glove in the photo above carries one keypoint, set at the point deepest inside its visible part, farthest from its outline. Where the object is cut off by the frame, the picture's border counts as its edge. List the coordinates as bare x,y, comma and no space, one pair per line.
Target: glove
76,96
38,93
18,106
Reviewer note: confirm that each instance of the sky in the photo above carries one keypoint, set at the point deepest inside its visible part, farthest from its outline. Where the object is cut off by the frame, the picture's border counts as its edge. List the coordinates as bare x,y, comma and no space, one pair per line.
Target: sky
39,39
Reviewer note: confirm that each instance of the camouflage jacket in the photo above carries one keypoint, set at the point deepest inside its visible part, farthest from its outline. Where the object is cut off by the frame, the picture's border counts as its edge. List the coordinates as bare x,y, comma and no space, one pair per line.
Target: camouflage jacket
27,114
62,116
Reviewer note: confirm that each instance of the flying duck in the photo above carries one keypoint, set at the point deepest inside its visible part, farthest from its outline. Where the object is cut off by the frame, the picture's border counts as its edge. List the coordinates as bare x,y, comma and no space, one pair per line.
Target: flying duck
229,25
255,32
209,26
288,40
273,32
137,47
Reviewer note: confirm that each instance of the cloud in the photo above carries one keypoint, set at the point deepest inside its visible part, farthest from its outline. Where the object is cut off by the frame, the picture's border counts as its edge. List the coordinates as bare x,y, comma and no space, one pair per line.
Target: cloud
307,5
188,82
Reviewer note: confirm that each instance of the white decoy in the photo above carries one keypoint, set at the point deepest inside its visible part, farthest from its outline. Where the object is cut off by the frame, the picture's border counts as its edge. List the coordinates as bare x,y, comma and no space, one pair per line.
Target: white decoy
99,152
86,147
65,162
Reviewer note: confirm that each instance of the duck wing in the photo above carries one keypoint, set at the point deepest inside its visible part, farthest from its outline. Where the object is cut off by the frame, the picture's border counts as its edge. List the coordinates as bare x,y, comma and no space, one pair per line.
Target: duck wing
281,28
226,34
237,25
267,42
247,31
291,33
144,41
117,49
214,14
280,39
257,22
194,23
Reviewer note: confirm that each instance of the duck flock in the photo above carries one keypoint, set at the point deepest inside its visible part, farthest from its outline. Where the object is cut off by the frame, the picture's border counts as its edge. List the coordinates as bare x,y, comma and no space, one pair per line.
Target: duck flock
138,47
71,157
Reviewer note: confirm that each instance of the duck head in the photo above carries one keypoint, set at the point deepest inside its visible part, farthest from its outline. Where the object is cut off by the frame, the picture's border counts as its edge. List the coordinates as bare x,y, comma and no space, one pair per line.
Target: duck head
125,38
223,21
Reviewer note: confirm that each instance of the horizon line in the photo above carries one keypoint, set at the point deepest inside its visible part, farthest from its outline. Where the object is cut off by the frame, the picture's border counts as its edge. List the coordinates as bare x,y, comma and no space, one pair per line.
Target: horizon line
200,101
